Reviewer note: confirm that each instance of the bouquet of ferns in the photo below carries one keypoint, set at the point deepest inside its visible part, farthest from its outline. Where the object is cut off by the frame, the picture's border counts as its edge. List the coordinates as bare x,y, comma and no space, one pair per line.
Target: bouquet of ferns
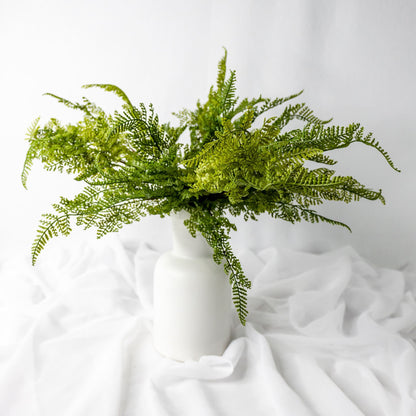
133,165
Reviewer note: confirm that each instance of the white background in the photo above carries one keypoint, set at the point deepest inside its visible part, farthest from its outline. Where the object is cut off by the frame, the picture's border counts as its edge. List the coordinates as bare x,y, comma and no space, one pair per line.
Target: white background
356,61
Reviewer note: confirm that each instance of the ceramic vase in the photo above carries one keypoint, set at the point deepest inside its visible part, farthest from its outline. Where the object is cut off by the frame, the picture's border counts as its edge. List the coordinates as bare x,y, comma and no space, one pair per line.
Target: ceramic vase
192,298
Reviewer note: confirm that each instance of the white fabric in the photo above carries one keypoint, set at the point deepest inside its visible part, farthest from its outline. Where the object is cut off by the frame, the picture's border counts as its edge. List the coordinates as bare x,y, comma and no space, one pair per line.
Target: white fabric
328,334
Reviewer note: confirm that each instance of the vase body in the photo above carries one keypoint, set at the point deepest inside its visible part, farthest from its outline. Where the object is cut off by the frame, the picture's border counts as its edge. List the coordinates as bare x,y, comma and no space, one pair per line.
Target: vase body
192,298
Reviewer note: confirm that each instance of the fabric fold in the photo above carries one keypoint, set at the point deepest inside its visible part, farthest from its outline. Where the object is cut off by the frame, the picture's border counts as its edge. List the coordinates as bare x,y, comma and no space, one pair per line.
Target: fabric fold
327,334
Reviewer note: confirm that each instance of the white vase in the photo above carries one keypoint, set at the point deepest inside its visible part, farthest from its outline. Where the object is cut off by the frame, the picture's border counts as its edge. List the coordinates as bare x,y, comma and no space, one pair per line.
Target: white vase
192,298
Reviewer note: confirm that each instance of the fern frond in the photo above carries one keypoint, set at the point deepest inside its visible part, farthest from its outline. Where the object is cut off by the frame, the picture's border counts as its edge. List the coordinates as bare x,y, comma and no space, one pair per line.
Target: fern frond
215,229
31,153
131,119
51,226
270,104
144,132
227,94
244,105
300,112
313,217
369,140
321,158
222,70
111,88
70,104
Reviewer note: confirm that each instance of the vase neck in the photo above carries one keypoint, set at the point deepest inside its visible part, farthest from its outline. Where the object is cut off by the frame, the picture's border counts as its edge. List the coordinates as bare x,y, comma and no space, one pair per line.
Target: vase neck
184,244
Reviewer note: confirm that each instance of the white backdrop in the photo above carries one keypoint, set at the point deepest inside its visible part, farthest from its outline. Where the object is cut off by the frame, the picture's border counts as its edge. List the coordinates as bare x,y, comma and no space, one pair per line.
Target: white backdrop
356,61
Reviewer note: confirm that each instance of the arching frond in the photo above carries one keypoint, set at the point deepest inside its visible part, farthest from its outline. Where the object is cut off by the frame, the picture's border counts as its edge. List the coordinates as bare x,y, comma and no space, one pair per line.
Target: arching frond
51,226
31,153
111,88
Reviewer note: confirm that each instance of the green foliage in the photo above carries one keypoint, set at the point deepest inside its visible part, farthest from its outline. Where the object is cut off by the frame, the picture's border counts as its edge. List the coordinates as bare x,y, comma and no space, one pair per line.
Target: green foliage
133,165
215,228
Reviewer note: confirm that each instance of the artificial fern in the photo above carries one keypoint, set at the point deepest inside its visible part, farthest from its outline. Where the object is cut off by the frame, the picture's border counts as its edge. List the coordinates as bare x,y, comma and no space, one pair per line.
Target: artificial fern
133,165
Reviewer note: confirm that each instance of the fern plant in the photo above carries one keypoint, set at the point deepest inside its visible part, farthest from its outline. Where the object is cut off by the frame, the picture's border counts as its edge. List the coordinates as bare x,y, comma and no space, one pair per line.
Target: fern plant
133,165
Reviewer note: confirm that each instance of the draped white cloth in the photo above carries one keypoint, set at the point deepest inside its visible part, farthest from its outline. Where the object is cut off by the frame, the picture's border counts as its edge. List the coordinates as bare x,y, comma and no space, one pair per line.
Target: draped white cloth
328,334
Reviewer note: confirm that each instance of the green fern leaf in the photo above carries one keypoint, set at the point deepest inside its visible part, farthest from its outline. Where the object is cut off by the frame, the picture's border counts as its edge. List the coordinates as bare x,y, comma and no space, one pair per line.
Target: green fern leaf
31,153
51,226
111,88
